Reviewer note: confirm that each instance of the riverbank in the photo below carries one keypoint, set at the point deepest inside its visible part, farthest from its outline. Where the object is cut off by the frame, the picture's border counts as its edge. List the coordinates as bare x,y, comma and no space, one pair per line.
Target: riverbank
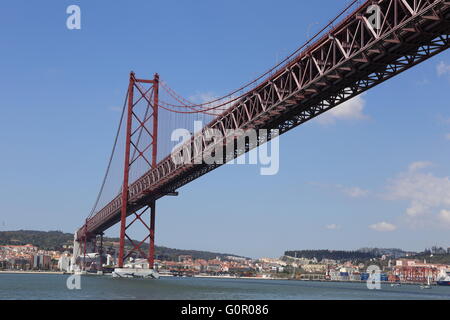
290,279
30,272
219,277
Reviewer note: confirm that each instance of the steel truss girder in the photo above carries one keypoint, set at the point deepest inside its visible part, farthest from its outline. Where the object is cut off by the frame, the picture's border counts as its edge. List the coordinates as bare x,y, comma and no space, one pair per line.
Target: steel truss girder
344,63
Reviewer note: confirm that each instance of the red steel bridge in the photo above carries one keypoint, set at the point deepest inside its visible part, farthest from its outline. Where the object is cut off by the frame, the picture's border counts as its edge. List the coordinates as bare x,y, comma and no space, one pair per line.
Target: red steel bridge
366,44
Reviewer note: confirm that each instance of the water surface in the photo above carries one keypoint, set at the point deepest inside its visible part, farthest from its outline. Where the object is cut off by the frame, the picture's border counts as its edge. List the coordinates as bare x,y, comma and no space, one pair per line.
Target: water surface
53,287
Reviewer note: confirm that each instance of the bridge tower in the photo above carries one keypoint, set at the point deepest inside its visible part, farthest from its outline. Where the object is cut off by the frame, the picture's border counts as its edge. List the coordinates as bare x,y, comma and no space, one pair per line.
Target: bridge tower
141,145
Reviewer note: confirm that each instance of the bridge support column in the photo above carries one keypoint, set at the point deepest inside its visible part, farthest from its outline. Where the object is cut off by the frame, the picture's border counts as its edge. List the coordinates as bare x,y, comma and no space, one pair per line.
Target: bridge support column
137,248
84,246
151,253
140,151
100,252
84,254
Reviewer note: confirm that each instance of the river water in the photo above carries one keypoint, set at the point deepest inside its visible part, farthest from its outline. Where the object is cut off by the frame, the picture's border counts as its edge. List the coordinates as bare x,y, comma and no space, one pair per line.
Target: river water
54,287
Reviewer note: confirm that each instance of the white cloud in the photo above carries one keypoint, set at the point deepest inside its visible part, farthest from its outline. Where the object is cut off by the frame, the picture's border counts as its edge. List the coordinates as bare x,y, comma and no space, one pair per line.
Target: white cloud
202,98
355,192
443,68
426,193
352,109
332,227
383,227
416,209
416,166
444,216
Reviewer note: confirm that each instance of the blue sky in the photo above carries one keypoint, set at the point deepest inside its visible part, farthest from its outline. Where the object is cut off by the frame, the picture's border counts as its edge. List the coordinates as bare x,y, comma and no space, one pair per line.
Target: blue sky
373,173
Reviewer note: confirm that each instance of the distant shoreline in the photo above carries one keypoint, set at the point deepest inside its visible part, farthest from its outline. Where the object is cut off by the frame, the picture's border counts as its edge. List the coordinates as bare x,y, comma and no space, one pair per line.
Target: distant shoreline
31,272
221,277
217,277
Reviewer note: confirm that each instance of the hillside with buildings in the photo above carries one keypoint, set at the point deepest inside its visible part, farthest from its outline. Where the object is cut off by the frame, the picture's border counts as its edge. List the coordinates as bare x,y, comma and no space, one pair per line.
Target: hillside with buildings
52,251
52,240
60,241
332,255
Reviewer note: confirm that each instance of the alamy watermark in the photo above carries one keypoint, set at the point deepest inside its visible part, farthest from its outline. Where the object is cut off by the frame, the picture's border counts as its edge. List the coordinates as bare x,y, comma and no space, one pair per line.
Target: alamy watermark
211,146
374,279
74,282
374,12
73,22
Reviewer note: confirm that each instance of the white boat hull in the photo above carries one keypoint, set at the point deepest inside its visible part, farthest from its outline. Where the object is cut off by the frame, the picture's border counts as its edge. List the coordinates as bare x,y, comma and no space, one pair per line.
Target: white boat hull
135,273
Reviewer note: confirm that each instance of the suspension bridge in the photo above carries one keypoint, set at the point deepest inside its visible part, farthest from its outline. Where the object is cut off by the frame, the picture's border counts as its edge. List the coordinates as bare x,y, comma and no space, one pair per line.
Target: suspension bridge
366,44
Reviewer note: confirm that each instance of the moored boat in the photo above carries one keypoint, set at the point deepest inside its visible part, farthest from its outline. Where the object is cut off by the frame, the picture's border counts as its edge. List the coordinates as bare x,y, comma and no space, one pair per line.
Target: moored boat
428,285
443,278
135,273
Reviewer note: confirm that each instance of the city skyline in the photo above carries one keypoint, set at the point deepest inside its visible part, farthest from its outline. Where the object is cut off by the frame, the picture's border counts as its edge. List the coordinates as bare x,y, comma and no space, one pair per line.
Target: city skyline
371,173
